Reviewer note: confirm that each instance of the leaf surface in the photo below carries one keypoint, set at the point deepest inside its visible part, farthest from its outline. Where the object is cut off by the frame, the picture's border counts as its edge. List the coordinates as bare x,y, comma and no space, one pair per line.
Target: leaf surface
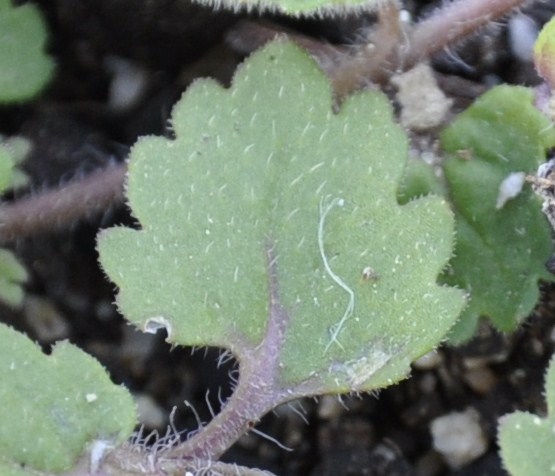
24,67
51,407
269,207
527,441
501,251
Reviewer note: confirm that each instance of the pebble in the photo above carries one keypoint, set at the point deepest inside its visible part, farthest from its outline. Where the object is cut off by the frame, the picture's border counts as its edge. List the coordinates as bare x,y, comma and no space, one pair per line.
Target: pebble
149,412
423,104
480,379
428,361
522,34
330,407
459,438
47,322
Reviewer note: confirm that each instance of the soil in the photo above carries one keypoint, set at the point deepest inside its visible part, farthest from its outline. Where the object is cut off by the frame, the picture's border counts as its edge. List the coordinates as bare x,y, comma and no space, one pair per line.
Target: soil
77,126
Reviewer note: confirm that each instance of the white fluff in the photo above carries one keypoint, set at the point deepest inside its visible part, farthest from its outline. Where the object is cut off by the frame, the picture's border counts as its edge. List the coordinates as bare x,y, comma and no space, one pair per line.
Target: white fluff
510,188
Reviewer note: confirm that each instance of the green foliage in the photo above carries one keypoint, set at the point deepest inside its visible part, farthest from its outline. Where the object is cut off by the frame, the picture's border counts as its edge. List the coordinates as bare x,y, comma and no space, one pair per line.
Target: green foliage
12,276
418,180
501,248
527,441
12,152
265,200
502,242
24,67
51,407
544,53
301,7
12,273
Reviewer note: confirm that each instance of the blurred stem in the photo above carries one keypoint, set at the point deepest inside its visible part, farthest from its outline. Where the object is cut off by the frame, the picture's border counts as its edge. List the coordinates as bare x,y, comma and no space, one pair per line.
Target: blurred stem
57,209
452,23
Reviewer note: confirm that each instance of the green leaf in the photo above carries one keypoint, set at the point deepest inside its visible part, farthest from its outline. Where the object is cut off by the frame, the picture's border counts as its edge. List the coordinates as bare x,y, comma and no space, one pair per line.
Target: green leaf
24,67
8,468
12,273
544,53
6,167
502,246
267,205
12,276
52,407
301,7
418,180
527,441
13,151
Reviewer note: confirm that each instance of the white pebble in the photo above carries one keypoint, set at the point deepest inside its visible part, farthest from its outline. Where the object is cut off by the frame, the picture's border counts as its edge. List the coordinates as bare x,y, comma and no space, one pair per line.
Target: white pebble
128,84
523,32
428,361
459,438
150,414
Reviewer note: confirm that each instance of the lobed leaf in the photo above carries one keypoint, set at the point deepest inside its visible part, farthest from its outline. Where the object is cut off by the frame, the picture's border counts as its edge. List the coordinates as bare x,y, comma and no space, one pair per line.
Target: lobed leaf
527,441
503,243
52,407
268,205
24,67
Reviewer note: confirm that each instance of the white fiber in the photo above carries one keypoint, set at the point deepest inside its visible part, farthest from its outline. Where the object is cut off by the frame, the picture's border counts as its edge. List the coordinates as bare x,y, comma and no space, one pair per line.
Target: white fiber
335,329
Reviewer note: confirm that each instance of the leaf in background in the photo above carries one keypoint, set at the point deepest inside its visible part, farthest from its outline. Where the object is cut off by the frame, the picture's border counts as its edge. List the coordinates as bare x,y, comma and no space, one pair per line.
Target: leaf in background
24,67
502,246
419,180
544,53
527,441
52,407
12,276
12,273
13,150
272,223
6,167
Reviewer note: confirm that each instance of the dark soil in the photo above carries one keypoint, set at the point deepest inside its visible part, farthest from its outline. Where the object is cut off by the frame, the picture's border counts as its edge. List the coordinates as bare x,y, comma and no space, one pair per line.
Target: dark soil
76,129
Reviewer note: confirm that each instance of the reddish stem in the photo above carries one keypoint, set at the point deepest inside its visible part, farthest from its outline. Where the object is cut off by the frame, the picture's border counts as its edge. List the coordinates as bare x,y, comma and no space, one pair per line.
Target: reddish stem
257,390
56,209
451,23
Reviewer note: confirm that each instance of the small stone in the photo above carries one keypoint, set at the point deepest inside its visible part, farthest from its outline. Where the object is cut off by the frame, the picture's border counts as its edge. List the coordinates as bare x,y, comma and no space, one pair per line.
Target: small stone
522,34
424,106
459,438
149,412
480,379
428,361
329,408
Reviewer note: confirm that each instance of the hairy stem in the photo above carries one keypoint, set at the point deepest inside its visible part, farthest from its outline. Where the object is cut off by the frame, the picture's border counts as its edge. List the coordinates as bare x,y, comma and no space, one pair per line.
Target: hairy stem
451,23
257,390
55,209
372,62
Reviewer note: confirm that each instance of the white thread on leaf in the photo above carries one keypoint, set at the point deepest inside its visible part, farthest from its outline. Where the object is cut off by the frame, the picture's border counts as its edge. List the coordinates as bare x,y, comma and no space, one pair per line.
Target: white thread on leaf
336,328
